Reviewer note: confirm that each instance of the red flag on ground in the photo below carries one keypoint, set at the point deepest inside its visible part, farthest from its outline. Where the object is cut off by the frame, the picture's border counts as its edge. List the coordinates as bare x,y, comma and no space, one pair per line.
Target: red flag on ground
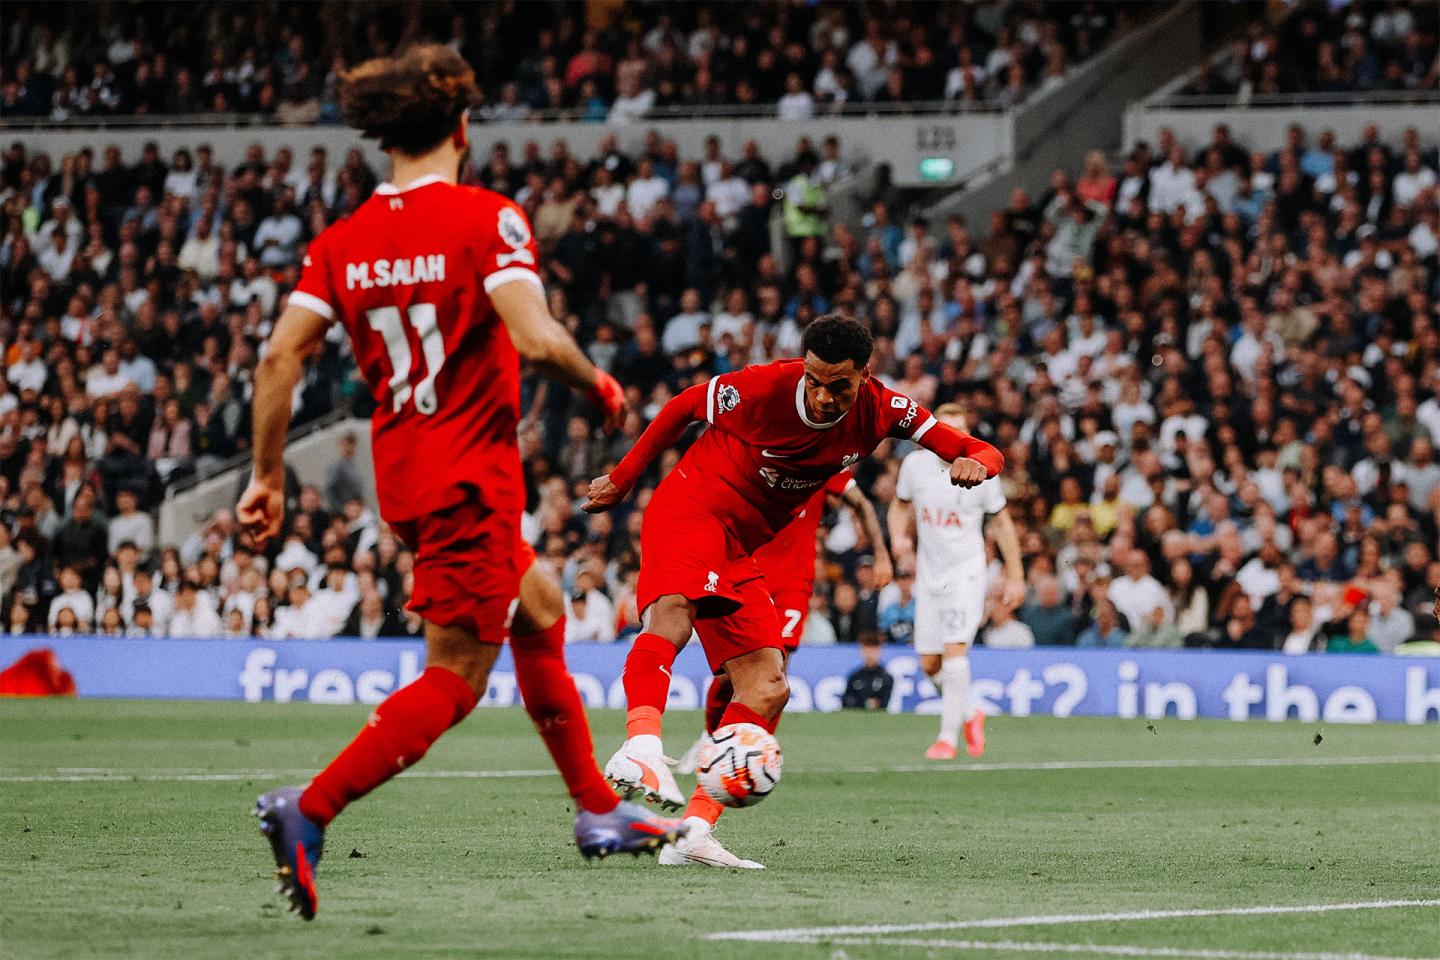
37,674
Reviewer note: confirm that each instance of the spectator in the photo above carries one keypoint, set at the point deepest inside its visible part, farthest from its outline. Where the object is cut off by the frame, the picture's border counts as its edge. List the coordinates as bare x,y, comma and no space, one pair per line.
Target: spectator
1049,618
1352,634
372,619
1002,630
74,600
130,526
1137,594
194,614
590,616
343,481
870,686
1105,630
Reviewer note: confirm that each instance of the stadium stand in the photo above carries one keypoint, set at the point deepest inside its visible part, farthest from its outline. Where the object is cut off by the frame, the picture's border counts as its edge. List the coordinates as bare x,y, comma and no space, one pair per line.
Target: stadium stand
1327,52
1215,374
604,62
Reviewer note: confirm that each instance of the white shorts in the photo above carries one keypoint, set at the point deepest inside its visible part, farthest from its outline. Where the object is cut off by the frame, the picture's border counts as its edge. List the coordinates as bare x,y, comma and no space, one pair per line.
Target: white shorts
949,614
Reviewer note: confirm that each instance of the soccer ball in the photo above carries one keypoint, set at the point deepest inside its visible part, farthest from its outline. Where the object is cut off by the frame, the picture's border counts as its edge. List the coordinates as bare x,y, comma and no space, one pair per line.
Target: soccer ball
738,765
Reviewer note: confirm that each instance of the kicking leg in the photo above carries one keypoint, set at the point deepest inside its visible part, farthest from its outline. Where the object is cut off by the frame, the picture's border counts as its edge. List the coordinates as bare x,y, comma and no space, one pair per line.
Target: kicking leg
955,709
639,767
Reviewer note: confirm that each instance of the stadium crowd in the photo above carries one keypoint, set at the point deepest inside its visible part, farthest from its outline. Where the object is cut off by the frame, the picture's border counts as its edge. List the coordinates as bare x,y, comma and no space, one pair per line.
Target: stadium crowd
1330,49
1215,375
606,62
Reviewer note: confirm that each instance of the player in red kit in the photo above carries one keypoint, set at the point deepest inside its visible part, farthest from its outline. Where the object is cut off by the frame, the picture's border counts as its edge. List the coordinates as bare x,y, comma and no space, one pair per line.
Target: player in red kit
788,566
778,432
436,286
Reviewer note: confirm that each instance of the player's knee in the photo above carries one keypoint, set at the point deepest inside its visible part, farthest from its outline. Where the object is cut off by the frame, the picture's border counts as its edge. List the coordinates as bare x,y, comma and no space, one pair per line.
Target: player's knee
671,617
772,692
930,663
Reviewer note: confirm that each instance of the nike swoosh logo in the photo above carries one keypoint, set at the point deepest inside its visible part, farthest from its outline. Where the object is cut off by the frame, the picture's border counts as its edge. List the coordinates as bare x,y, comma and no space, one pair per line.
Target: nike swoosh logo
774,456
665,671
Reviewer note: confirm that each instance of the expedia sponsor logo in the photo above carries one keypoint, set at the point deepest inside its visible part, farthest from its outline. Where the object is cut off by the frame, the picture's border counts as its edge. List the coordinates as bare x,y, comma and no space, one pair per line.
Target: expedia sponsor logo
910,414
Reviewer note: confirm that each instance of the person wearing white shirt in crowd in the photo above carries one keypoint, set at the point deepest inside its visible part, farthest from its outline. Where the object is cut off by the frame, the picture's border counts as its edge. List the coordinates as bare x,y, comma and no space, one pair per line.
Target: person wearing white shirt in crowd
1172,183
131,525
634,101
278,236
29,372
645,190
1419,472
253,284
333,602
1260,576
1004,632
735,320
1390,623
144,592
73,598
683,332
607,194
297,620
729,193
62,220
201,251
1137,593
194,614
107,379
58,256
590,616
796,104
1428,413
1411,181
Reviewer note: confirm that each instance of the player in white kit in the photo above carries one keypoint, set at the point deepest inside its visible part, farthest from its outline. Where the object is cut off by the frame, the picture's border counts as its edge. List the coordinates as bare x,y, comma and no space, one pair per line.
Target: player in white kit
950,570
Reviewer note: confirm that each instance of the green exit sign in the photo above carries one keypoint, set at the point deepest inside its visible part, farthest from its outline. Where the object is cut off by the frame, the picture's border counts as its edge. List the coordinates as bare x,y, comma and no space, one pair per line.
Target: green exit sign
933,169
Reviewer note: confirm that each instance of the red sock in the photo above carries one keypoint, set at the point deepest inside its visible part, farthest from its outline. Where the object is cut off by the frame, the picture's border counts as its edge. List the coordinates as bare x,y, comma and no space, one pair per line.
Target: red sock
703,807
399,732
737,712
554,704
647,683
717,698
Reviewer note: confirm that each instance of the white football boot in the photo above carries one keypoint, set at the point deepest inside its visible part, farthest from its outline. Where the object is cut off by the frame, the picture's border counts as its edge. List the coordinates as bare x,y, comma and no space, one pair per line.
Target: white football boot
690,758
641,769
699,848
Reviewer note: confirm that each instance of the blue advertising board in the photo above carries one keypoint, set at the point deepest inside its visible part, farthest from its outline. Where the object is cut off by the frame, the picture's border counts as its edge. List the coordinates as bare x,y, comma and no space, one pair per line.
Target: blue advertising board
1054,681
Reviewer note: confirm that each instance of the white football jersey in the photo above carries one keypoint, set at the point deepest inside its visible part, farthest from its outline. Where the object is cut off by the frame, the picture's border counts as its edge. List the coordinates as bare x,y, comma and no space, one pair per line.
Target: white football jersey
949,520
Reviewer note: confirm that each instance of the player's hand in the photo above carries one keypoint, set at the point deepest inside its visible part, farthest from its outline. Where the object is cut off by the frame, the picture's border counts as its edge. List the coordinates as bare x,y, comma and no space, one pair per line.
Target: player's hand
884,571
602,496
609,398
967,473
261,510
1012,592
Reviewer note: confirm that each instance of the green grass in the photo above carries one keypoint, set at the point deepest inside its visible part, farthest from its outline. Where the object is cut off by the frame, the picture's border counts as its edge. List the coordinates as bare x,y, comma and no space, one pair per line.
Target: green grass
485,867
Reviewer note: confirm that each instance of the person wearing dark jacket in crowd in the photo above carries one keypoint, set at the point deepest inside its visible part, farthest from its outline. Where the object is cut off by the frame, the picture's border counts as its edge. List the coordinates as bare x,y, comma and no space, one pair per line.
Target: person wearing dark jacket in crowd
869,687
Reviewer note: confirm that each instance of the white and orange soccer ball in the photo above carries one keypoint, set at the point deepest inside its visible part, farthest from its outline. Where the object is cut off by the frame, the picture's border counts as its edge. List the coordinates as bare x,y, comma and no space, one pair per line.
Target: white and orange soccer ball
739,764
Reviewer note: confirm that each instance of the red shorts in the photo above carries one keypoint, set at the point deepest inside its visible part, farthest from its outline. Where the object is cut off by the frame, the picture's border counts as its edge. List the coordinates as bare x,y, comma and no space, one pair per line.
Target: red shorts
792,605
686,550
467,567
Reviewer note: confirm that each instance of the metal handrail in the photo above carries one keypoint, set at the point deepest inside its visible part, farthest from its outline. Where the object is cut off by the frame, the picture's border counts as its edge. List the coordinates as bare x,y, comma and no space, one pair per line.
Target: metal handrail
717,112
1184,101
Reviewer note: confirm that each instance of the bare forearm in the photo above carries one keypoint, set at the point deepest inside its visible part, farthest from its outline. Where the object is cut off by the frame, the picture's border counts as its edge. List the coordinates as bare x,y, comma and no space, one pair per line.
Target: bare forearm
275,380
560,358
1008,542
869,519
663,431
901,521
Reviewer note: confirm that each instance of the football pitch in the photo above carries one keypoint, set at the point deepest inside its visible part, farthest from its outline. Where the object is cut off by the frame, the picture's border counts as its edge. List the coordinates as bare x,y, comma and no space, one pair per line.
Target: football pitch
126,834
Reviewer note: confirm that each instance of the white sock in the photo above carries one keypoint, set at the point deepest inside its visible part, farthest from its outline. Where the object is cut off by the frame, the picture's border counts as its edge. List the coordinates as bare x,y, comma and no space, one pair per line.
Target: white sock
954,697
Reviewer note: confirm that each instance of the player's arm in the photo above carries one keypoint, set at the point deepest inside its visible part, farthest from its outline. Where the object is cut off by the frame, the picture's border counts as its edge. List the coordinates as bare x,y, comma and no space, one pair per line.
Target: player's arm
539,338
863,509
901,520
1008,542
972,460
664,430
298,334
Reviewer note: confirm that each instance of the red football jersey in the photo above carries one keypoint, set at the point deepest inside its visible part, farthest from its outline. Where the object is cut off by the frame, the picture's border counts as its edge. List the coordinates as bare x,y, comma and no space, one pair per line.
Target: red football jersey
789,560
409,274
765,448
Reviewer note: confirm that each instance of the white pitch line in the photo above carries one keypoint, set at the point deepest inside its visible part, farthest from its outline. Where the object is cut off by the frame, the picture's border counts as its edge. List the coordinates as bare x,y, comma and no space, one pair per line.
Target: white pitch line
151,775
1094,949
809,934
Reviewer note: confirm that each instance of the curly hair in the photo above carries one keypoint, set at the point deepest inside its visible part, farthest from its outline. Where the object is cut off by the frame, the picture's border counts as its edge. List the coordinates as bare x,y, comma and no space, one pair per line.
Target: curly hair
409,102
836,338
